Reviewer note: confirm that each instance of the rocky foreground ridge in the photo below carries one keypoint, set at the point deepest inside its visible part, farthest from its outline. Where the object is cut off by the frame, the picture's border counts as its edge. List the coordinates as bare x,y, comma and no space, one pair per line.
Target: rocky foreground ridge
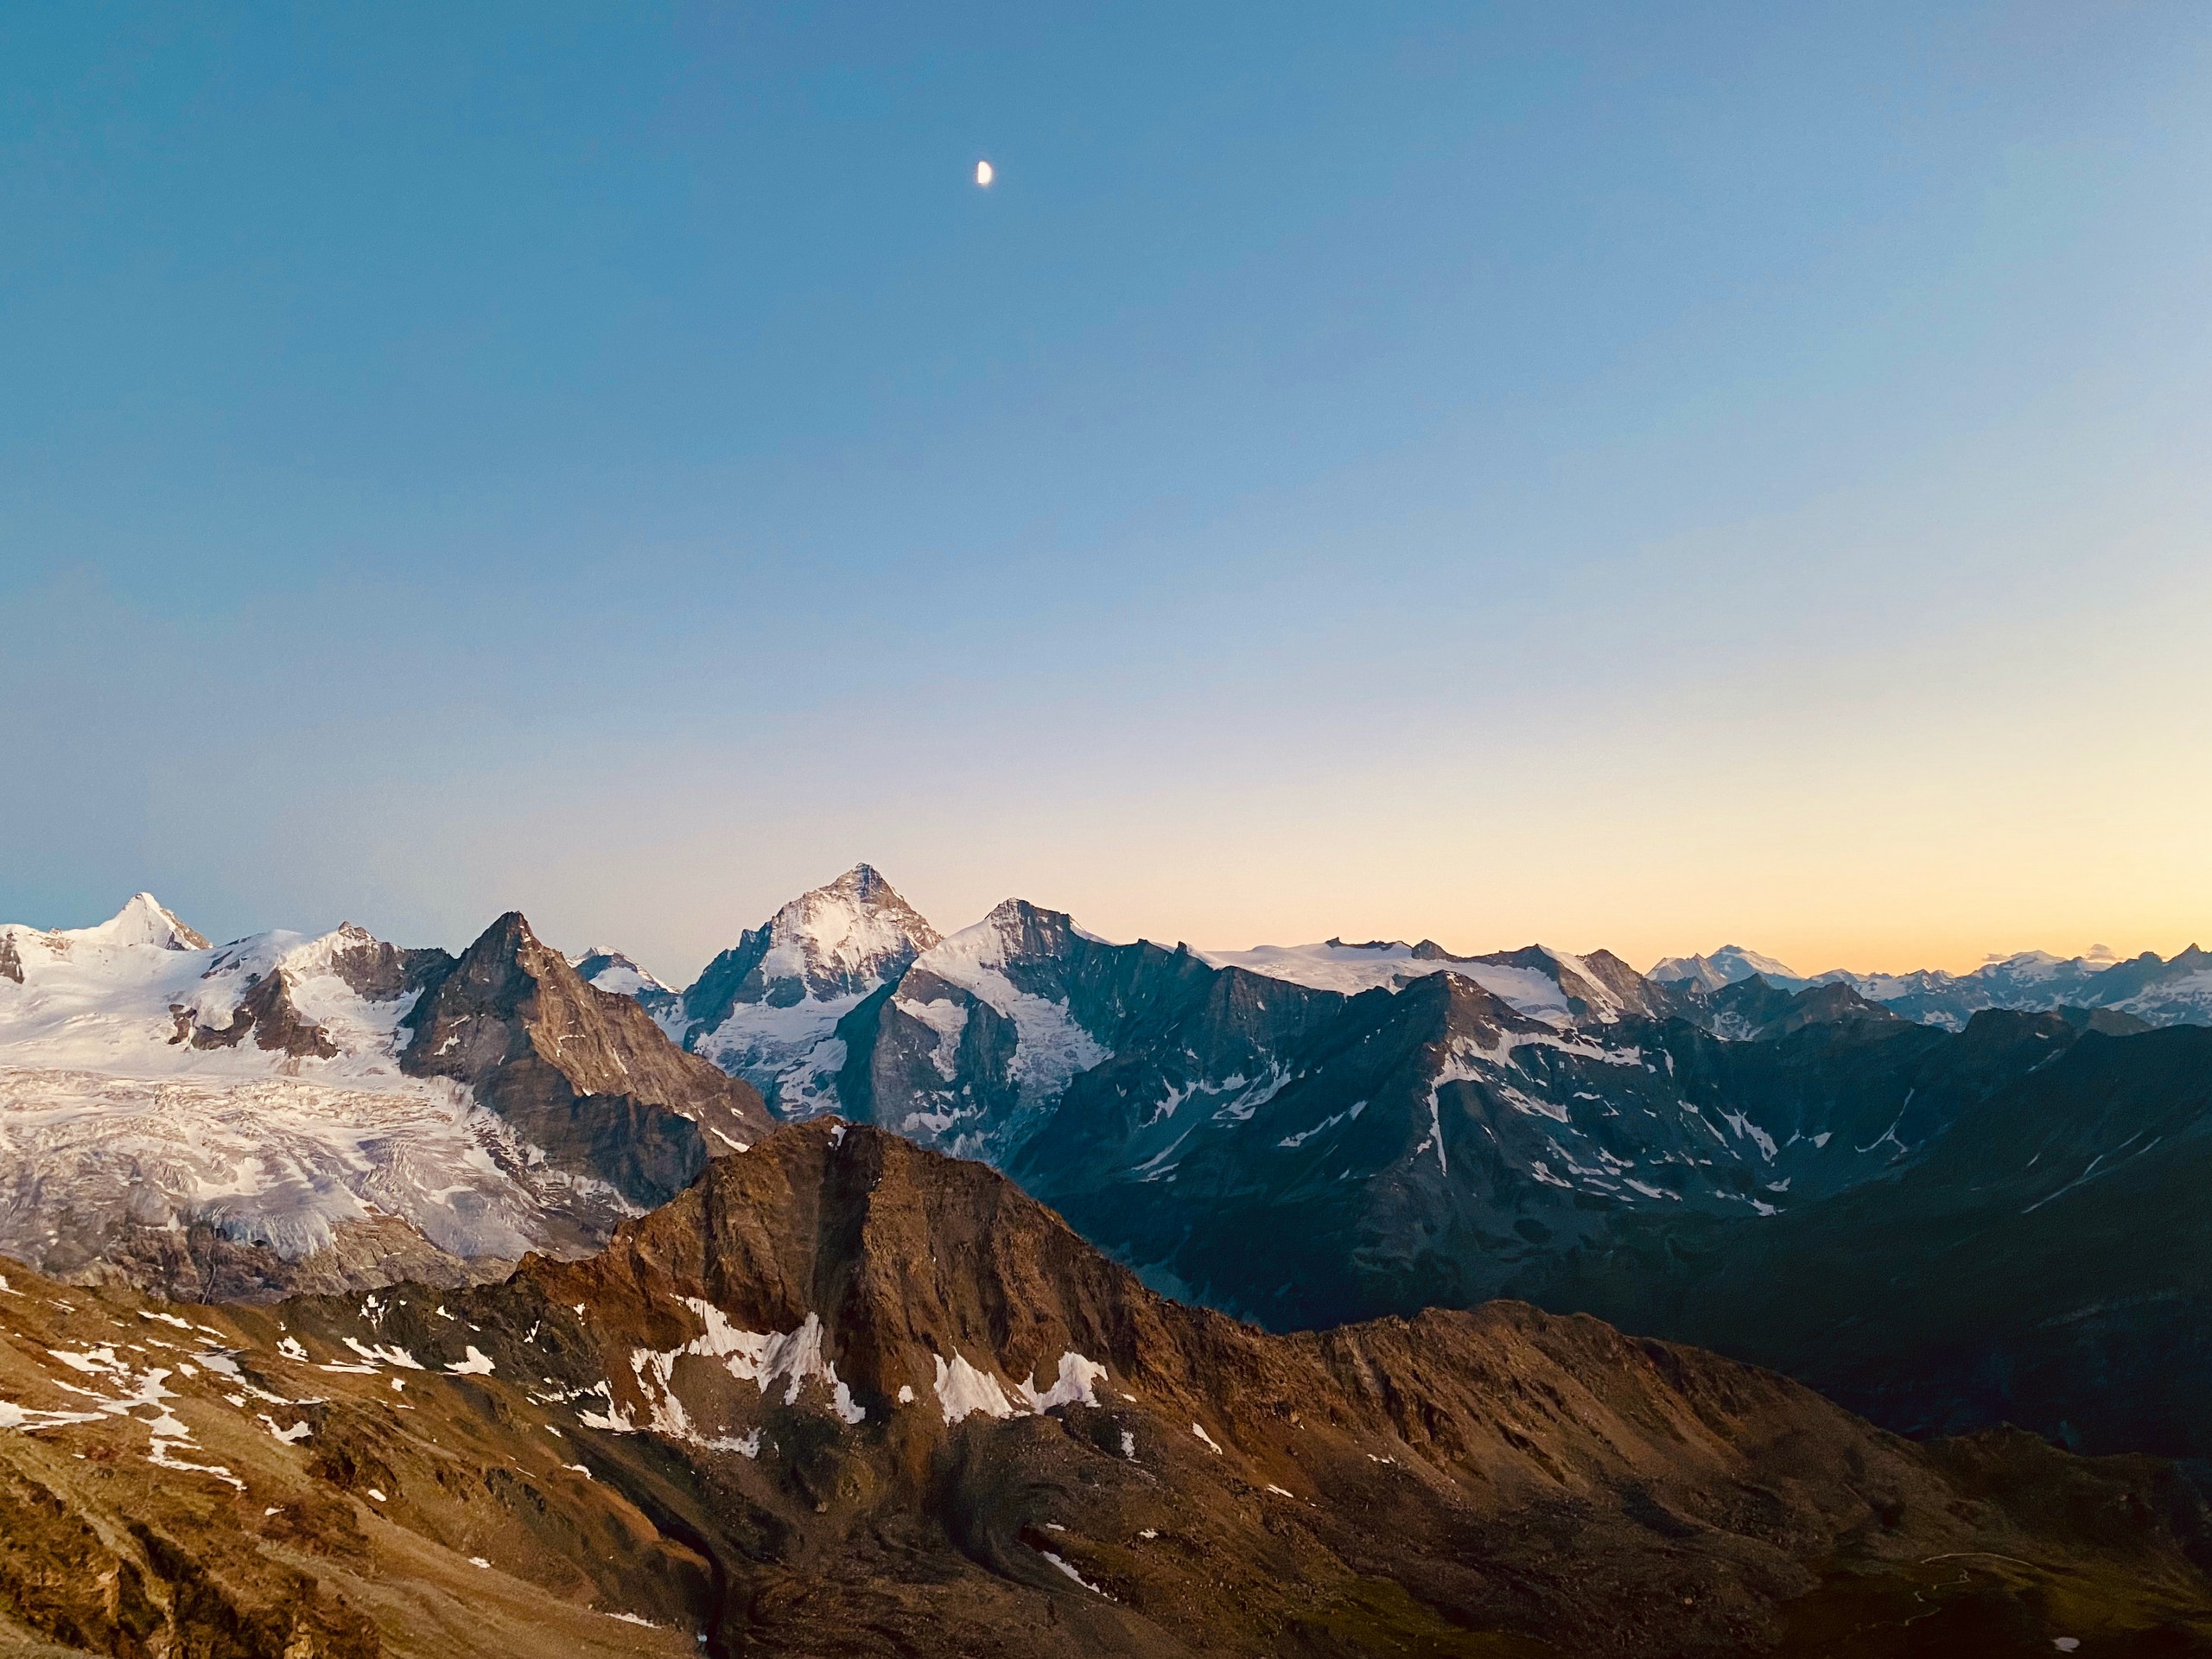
847,1396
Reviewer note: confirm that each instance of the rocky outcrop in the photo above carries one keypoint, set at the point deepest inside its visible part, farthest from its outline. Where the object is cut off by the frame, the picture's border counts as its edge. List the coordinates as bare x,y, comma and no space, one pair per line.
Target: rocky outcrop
847,1397
269,1013
899,1406
582,1074
382,972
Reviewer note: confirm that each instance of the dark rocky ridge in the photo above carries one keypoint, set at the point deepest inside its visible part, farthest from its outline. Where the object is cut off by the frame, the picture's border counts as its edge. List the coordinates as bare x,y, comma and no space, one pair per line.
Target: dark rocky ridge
1462,1482
384,972
1488,1483
581,1072
2045,1263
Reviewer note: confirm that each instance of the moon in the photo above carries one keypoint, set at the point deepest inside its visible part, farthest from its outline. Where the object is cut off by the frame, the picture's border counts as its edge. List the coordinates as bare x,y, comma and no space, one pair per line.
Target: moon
985,173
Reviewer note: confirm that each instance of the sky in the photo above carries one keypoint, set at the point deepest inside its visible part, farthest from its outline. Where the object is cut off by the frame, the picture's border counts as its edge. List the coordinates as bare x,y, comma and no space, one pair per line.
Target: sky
1635,476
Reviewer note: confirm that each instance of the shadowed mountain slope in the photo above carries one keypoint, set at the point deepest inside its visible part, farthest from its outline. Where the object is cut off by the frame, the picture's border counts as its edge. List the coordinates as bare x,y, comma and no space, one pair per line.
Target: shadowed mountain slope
847,1397
2046,1263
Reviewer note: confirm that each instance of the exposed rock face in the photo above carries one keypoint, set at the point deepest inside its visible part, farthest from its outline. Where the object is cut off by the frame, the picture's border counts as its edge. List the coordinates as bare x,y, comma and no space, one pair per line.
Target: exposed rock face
380,972
1752,1011
845,1397
269,1013
198,1262
764,1010
583,1074
11,964
243,1123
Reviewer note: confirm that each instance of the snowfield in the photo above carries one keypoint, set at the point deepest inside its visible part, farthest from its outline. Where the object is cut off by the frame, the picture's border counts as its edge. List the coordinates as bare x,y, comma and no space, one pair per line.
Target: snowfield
121,1104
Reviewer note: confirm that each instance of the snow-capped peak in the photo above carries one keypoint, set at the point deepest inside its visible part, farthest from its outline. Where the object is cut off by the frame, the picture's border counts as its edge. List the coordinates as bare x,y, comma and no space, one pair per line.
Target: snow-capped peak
772,999
1730,963
142,920
835,938
610,970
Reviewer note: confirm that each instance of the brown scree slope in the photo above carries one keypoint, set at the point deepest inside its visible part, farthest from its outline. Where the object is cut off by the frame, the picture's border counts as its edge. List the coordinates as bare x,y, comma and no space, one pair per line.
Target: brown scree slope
1498,1482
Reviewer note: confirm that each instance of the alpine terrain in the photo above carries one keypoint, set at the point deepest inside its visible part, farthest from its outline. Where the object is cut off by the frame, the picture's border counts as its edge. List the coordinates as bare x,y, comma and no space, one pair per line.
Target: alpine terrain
2158,991
281,1111
844,1397
1305,1136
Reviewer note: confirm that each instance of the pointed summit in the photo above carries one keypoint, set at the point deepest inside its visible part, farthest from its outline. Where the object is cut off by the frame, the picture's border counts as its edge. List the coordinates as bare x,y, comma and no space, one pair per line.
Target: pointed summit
773,997
866,883
143,920
584,1074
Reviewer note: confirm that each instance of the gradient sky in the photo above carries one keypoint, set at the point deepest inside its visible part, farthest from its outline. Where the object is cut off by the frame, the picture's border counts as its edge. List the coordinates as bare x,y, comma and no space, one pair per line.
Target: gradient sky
1644,476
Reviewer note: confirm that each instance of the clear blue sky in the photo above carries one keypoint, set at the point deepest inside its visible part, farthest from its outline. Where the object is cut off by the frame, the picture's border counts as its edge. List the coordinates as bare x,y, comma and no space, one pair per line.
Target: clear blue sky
1620,475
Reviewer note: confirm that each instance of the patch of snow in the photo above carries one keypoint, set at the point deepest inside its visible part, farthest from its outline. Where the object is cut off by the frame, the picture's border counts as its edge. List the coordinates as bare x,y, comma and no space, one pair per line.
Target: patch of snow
962,1391
1072,1573
386,1353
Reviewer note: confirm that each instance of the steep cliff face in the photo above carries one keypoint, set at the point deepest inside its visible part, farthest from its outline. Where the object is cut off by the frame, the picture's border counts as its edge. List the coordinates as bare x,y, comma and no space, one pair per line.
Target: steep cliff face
581,1073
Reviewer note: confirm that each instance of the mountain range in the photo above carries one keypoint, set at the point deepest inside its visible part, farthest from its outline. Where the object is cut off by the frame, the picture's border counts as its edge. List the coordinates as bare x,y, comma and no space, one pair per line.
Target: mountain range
519,1171
2175,991
845,1396
285,1111
1306,1134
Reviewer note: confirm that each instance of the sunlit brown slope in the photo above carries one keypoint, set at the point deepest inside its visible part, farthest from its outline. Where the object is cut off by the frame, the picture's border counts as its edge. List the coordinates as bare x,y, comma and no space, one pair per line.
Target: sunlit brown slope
845,1396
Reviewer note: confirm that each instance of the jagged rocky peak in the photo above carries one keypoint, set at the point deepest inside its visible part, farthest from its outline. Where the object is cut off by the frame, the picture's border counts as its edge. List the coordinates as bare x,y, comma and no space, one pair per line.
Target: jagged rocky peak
583,1073
1013,931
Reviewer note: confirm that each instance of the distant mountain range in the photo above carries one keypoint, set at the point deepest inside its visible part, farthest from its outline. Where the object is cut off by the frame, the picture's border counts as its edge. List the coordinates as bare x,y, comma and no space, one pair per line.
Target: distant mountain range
2171,991
1298,1135
1303,1135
